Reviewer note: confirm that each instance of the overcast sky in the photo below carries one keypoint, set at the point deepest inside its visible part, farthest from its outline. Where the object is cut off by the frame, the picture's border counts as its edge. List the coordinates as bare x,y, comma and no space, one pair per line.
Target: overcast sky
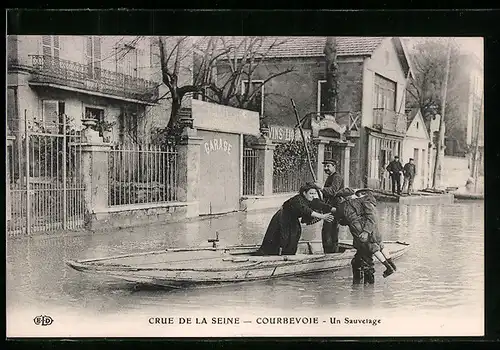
467,44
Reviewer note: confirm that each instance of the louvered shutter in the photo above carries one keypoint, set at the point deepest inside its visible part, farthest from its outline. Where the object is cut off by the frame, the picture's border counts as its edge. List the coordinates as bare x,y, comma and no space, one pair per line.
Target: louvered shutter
89,56
47,50
96,56
56,46
135,61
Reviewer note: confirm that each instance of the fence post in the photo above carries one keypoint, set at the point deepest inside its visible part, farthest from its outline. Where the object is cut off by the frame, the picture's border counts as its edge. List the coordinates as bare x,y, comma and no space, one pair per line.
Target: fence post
188,168
320,158
10,144
94,171
264,166
345,162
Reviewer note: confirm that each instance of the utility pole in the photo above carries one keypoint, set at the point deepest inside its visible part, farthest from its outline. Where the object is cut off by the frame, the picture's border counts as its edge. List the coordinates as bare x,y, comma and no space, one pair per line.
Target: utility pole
437,163
475,169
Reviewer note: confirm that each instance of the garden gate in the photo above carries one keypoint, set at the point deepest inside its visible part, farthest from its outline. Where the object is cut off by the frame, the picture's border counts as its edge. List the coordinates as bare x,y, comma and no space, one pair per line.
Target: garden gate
43,177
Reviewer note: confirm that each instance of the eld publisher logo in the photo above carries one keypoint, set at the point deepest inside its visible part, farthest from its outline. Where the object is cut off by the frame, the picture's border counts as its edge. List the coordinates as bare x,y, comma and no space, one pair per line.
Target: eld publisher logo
43,320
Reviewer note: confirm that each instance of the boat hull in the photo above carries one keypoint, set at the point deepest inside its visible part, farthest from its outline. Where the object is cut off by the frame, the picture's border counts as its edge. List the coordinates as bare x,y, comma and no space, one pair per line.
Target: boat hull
179,268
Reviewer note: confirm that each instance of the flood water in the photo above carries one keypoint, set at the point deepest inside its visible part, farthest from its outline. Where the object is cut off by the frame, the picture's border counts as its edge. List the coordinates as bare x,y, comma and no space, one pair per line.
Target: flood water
442,270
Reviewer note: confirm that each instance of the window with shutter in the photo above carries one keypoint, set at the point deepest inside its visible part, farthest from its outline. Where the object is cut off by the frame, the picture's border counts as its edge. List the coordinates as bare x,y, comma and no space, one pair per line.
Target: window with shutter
256,103
50,50
97,56
127,61
322,95
93,56
12,115
385,93
50,114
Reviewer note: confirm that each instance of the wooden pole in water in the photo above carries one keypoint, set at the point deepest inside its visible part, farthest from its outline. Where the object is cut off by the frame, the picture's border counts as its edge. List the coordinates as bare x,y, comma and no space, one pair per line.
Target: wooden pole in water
441,119
304,140
475,164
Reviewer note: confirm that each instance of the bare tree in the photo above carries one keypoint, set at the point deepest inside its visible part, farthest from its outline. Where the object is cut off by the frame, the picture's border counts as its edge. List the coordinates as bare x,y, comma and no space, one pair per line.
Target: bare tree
425,89
233,61
216,67
174,51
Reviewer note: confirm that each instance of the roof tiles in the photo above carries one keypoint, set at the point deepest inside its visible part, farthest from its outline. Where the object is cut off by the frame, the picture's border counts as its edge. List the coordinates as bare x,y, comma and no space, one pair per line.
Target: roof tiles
313,46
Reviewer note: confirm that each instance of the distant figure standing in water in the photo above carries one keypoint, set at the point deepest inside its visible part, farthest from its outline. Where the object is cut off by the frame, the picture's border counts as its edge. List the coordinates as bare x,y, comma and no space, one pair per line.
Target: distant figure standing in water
409,172
357,211
284,230
395,169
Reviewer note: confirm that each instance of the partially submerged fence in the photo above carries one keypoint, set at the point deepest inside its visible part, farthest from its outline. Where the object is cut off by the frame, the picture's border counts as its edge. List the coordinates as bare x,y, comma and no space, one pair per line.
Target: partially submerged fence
142,174
290,181
44,184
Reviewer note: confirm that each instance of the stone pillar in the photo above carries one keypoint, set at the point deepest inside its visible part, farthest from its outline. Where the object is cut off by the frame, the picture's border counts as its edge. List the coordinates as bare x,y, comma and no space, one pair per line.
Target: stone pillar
188,167
94,171
320,158
10,143
345,162
264,166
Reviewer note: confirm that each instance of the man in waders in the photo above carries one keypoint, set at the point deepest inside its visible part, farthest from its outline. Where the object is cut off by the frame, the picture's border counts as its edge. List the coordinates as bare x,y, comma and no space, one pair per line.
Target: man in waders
333,183
357,210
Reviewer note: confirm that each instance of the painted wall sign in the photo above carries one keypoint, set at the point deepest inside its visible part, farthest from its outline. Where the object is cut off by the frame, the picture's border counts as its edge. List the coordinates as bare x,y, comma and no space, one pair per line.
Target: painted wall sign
286,133
219,144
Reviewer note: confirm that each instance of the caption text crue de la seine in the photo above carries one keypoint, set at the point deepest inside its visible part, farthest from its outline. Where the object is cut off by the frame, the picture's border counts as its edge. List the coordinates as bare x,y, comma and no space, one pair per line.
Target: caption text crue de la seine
264,320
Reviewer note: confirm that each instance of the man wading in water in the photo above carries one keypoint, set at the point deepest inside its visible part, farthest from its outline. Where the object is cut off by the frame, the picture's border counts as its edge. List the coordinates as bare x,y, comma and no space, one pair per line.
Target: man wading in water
357,211
333,183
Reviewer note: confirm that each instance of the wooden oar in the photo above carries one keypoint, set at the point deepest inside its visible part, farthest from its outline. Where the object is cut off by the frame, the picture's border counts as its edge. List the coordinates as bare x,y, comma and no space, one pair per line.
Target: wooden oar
299,123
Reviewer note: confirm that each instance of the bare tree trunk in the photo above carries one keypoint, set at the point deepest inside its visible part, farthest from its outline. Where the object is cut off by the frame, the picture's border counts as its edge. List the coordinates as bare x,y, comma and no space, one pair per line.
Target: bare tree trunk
331,73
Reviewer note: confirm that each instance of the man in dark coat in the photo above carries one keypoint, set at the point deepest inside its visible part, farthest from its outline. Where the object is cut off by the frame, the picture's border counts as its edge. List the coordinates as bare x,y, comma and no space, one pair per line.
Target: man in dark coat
284,230
333,183
395,169
409,172
357,210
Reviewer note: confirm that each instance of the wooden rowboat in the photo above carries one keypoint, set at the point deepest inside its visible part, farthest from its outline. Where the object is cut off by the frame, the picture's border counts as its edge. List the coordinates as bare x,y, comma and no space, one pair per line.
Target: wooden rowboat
181,267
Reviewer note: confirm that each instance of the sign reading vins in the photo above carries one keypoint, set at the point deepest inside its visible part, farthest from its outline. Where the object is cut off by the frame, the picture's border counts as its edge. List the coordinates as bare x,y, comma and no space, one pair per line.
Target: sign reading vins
286,133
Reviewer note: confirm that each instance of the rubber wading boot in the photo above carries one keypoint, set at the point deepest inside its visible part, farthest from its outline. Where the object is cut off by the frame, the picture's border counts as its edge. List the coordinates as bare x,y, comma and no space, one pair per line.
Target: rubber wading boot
369,277
357,276
388,269
392,264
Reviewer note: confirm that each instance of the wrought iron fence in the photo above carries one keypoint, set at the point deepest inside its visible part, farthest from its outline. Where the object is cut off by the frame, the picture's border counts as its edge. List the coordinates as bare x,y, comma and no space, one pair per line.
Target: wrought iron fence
249,171
292,180
44,184
91,77
142,174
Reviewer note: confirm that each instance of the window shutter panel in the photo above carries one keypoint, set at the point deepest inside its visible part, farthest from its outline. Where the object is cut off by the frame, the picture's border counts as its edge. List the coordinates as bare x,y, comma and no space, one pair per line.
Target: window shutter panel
88,51
56,48
46,45
135,60
50,113
97,51
119,60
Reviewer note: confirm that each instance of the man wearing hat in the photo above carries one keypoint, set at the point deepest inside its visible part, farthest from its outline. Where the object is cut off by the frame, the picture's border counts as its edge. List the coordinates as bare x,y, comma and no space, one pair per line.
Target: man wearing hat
409,171
395,168
333,183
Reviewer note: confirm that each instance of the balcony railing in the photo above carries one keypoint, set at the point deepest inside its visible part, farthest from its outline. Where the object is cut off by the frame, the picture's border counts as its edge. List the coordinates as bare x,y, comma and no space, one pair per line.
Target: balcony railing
389,120
48,69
